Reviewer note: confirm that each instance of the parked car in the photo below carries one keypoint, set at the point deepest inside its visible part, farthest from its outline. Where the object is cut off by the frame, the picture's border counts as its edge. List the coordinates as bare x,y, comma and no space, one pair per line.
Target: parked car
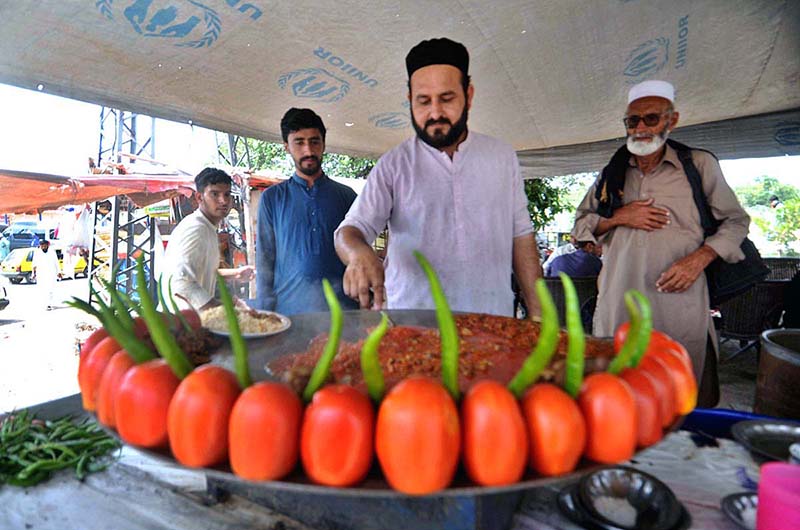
3,294
26,234
18,265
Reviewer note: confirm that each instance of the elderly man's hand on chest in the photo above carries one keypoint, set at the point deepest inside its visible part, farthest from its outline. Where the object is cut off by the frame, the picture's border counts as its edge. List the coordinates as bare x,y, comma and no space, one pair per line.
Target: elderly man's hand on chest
684,272
641,215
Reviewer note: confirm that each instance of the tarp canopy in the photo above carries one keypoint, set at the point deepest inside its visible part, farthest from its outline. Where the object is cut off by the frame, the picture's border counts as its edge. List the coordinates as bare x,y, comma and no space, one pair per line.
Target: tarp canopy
550,75
24,192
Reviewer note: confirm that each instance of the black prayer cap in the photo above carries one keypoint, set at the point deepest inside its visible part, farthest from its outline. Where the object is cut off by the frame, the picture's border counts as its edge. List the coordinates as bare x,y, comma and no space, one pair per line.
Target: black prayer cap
437,51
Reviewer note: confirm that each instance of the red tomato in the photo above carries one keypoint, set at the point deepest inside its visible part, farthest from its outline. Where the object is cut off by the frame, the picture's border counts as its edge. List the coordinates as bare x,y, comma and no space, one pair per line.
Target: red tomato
197,419
495,439
658,339
264,432
644,389
91,367
92,340
142,402
336,436
609,408
682,377
665,387
418,437
556,428
117,367
140,328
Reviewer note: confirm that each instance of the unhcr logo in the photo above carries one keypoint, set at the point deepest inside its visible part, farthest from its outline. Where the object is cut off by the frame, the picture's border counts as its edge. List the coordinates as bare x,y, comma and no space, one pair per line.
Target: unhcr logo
647,59
185,23
788,133
315,83
390,120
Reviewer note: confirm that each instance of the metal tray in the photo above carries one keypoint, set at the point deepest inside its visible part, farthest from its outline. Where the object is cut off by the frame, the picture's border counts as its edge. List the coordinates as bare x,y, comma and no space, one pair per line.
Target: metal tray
769,439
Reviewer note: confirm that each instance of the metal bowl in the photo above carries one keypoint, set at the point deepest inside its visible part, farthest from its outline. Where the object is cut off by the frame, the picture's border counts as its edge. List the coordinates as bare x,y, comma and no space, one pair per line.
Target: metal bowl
767,439
625,497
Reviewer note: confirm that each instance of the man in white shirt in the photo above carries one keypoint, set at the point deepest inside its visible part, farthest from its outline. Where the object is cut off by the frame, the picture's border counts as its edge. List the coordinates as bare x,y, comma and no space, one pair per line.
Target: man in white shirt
192,256
454,195
46,270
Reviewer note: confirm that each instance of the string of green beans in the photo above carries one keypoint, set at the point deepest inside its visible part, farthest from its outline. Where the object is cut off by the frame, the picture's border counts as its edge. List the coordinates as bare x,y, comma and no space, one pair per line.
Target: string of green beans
447,328
323,366
30,449
370,365
238,344
576,340
545,347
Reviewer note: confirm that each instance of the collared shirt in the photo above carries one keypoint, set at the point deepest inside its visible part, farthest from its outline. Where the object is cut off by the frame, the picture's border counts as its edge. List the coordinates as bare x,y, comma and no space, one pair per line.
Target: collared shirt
294,250
462,214
634,259
578,264
192,259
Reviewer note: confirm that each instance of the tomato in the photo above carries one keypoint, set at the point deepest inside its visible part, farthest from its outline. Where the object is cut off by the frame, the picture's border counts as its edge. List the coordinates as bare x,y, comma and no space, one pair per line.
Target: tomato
665,387
609,408
117,367
197,419
336,437
647,396
418,437
682,377
91,367
140,328
556,428
658,339
92,340
264,432
495,438
142,402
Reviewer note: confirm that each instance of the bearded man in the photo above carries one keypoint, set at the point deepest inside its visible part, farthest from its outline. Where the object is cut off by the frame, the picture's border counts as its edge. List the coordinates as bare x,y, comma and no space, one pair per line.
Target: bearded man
296,220
642,211
453,194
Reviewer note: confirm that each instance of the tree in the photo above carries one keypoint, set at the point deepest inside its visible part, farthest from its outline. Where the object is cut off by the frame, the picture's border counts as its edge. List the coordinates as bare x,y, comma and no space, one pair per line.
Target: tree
787,224
547,197
763,189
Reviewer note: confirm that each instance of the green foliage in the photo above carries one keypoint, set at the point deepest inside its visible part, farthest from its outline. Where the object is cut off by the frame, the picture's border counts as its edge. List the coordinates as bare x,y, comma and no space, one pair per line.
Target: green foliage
763,188
273,156
787,223
547,197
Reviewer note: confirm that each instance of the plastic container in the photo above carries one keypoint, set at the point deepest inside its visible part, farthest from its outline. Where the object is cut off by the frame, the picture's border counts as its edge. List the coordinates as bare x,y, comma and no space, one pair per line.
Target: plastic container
778,497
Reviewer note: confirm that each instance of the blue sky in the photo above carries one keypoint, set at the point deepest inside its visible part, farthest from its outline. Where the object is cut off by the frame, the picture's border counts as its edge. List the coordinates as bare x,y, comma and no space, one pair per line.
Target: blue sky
49,134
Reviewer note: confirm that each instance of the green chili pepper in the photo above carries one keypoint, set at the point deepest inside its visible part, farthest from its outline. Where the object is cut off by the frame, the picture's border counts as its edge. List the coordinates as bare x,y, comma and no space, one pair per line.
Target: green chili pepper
159,331
175,308
370,365
447,328
545,347
623,358
576,340
323,366
238,343
645,329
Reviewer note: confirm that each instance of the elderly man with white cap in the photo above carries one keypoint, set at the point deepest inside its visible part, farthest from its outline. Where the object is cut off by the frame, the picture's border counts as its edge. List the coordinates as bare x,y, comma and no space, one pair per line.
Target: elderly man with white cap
642,210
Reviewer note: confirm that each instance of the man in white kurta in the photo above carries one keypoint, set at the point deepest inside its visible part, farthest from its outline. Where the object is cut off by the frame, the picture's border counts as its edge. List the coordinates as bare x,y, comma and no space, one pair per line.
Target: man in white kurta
45,267
654,241
192,257
455,195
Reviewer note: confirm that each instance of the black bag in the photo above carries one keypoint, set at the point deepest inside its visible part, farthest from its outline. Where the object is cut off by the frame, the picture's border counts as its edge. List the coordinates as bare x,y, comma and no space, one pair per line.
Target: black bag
725,280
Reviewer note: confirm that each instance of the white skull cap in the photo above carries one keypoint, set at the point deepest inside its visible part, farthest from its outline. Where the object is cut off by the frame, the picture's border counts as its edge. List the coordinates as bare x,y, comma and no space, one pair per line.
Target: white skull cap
661,89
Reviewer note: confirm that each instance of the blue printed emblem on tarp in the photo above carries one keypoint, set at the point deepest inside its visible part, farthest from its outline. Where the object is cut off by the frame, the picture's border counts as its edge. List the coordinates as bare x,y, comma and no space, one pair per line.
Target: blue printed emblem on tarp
315,83
647,59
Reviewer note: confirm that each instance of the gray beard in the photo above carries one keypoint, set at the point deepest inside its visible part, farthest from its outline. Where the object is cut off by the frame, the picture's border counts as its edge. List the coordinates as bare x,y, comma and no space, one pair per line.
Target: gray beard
639,148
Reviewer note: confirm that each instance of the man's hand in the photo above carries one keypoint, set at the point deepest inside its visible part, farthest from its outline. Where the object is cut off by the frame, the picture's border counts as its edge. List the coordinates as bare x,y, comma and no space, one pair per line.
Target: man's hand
364,274
245,272
683,273
641,215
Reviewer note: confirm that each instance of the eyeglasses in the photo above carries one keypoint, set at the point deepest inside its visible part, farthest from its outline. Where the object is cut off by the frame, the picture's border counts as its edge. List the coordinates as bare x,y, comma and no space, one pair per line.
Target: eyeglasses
650,120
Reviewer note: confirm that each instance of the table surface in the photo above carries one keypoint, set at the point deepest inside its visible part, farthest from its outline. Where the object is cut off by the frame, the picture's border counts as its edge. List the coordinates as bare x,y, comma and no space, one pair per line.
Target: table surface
139,492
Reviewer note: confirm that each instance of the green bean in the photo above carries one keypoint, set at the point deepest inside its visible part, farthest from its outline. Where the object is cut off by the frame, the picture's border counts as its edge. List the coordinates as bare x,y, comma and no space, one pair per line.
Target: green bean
576,340
645,330
120,310
323,366
623,357
545,347
164,340
370,365
238,343
448,331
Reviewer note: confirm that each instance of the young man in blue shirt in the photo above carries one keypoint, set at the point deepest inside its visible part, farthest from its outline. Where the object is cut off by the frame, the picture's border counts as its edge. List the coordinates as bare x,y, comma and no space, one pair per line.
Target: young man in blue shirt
296,220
